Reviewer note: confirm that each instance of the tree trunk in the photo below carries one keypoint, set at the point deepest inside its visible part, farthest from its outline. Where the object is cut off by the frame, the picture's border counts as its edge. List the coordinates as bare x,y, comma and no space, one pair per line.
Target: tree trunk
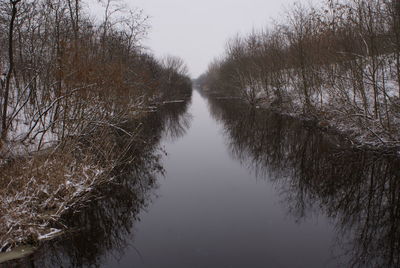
4,125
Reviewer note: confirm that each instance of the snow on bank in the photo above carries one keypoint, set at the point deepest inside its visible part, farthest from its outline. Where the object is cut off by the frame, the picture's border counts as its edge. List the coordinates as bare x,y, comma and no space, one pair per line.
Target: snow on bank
370,119
39,193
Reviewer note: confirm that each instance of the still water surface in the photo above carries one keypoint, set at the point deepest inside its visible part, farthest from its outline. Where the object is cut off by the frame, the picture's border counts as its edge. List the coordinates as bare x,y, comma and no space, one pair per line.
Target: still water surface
213,211
244,188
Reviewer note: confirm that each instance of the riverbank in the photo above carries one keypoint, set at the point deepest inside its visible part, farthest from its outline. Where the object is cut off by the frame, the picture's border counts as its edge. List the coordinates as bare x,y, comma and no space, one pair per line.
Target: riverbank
362,132
39,190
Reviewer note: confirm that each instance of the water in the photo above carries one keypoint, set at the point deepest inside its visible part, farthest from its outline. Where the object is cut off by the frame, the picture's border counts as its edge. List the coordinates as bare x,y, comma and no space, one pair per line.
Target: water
242,188
212,212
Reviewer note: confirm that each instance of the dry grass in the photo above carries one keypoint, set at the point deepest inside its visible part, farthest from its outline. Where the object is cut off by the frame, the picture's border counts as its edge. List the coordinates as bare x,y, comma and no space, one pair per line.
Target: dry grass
36,191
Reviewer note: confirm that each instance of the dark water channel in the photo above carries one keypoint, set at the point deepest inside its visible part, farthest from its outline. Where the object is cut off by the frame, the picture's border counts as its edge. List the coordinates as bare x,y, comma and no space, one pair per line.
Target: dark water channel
240,188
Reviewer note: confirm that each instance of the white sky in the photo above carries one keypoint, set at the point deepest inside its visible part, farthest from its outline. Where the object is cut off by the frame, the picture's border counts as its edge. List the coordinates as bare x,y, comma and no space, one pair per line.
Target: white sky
197,30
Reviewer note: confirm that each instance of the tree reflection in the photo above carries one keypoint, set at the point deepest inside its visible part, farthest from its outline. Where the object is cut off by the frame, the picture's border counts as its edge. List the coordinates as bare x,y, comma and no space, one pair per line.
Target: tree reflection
176,120
316,170
104,226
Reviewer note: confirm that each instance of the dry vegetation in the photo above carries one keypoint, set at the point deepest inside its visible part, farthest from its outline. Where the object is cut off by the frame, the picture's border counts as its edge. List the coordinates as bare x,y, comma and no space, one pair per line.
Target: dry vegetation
338,64
70,84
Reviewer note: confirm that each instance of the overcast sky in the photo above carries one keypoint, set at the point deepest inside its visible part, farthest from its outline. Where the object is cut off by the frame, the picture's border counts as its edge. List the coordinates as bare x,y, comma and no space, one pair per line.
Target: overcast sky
198,30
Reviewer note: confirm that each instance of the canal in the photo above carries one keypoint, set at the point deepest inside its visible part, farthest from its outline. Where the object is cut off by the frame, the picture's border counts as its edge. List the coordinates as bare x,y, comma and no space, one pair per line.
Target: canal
242,188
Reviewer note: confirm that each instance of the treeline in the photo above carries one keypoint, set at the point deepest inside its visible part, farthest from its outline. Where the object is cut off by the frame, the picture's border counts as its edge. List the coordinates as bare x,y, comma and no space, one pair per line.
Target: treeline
338,62
74,98
64,72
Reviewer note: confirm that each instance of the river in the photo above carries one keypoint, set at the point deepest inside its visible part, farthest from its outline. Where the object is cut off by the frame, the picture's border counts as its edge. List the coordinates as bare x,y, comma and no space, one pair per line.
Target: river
241,188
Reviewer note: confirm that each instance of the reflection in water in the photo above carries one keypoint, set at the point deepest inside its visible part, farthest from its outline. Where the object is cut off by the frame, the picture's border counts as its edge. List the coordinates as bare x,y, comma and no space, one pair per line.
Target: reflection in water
212,215
103,227
176,120
359,190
